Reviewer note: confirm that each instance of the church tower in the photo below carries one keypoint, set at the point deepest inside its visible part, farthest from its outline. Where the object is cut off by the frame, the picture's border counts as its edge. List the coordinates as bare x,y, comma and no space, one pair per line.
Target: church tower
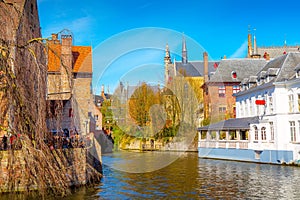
167,61
184,51
249,43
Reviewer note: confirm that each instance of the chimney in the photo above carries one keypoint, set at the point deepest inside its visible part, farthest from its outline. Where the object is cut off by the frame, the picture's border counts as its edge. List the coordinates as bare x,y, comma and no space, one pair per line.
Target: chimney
66,50
102,92
54,38
205,60
266,56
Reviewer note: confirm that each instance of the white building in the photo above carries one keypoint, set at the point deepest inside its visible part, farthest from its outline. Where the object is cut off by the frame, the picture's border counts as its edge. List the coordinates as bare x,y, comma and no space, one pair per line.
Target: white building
273,98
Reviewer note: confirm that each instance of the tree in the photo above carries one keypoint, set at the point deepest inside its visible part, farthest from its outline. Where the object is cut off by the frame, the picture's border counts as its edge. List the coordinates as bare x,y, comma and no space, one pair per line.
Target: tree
140,103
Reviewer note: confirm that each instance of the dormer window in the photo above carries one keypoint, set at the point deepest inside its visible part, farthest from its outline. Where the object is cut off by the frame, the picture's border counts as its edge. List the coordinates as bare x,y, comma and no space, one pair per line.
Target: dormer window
233,74
298,73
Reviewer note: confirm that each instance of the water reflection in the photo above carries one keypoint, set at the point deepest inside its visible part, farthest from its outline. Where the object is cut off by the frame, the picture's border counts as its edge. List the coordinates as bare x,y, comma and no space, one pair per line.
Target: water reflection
192,178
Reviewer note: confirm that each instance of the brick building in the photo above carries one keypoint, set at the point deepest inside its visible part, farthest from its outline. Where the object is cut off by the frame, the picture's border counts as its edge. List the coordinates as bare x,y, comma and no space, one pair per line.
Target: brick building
69,84
219,104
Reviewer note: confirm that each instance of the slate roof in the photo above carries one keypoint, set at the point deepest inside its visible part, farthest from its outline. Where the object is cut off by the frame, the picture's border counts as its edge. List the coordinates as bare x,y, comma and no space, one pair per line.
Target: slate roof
277,51
82,58
283,67
99,98
231,124
243,68
196,68
285,64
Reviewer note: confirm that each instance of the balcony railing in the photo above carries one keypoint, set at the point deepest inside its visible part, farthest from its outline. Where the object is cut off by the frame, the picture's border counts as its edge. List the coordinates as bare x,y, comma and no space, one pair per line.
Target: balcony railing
228,144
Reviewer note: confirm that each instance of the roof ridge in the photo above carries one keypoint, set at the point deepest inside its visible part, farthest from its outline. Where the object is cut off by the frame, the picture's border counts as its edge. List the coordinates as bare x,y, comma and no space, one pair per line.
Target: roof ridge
280,69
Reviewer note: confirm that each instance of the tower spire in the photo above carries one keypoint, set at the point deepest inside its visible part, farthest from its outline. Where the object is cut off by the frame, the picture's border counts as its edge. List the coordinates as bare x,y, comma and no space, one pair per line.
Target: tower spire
184,51
249,43
167,60
167,55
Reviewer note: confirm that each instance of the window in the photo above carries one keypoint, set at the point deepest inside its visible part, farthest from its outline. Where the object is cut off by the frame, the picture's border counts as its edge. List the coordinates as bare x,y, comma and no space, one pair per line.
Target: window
255,133
96,117
97,127
222,109
298,102
234,111
232,135
70,112
257,154
233,74
293,131
222,135
241,109
263,133
203,135
272,130
251,107
222,91
213,135
235,89
271,109
291,103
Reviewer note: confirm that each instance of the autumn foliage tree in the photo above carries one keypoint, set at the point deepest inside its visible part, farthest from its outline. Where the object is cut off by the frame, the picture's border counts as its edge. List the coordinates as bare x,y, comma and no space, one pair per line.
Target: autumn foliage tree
140,103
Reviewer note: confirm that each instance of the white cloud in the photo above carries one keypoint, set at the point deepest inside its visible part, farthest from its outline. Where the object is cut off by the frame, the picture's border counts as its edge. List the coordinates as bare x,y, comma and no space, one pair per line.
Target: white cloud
241,51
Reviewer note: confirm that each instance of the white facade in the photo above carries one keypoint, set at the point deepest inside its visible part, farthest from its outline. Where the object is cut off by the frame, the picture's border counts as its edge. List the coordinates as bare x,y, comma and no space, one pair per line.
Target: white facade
279,124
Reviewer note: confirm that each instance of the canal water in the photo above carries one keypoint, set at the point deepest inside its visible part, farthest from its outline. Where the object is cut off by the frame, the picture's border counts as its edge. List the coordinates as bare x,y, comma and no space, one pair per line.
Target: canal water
189,177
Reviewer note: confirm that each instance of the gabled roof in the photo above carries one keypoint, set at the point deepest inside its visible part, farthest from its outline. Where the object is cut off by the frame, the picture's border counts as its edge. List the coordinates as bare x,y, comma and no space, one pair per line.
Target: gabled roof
242,67
54,56
195,68
282,68
231,124
285,64
82,58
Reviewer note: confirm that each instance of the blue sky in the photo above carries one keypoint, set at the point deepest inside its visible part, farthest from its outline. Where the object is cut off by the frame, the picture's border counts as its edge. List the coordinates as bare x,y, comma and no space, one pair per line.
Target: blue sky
216,26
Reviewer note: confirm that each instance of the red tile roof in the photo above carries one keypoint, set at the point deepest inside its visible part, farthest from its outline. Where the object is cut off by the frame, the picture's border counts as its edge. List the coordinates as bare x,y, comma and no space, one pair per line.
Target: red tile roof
82,58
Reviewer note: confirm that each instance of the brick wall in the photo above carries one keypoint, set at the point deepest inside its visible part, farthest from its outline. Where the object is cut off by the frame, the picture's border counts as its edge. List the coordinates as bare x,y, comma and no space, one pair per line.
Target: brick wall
214,102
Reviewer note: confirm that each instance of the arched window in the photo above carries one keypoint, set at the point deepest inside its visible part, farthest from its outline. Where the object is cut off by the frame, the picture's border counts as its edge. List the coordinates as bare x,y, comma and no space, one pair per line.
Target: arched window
263,133
255,133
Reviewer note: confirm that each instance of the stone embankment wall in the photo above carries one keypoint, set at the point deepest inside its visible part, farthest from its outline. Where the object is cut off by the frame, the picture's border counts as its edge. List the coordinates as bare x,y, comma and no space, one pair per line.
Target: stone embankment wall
76,168
157,145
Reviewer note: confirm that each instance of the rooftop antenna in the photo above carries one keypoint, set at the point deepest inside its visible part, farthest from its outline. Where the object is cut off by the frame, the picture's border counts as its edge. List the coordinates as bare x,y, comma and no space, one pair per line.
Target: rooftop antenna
285,40
254,42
